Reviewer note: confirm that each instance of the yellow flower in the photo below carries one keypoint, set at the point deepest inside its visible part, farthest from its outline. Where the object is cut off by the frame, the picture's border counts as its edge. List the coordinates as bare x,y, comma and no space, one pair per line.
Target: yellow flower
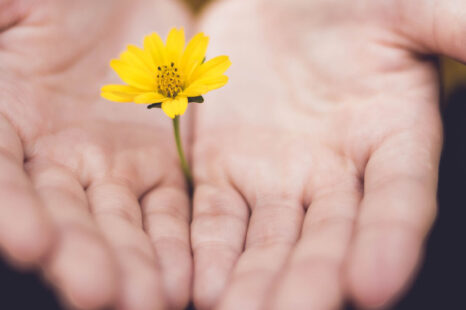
168,74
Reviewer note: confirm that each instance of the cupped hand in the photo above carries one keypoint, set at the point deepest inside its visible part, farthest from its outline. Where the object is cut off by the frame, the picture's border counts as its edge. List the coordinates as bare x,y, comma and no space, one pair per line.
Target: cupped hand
316,167
90,191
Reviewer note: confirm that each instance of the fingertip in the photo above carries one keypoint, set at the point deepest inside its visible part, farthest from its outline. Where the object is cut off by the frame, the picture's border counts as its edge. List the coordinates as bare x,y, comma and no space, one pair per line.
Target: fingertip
211,275
141,286
205,296
28,240
176,272
203,302
313,284
84,272
166,222
381,266
96,294
218,232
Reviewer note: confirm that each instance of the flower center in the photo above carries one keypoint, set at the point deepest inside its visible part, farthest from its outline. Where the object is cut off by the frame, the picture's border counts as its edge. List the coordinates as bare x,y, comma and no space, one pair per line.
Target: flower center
169,80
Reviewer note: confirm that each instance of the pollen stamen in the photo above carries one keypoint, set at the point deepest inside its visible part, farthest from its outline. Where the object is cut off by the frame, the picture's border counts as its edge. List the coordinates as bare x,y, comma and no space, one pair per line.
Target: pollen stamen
169,81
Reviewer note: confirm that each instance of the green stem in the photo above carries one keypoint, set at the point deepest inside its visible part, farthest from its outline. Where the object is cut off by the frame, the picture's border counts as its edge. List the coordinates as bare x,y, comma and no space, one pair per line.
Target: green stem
179,146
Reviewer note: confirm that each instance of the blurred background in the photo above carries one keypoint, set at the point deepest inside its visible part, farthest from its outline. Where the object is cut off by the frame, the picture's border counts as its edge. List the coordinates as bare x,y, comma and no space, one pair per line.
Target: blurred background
440,282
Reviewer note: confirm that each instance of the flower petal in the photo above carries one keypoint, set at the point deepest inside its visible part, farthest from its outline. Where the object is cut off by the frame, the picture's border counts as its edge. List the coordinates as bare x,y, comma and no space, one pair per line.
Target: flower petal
212,68
150,97
119,93
155,47
132,75
134,61
124,89
202,86
175,44
175,106
143,56
116,97
194,54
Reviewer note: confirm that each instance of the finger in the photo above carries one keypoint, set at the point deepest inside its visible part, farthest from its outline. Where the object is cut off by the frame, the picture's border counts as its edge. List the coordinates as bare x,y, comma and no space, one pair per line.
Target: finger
117,212
26,233
396,213
274,227
438,26
218,231
166,217
80,265
312,278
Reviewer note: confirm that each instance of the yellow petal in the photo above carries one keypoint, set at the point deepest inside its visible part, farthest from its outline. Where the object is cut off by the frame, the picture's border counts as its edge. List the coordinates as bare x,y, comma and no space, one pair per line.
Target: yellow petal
212,68
132,60
202,86
119,93
116,98
175,106
123,89
154,46
175,44
143,55
194,54
150,97
133,76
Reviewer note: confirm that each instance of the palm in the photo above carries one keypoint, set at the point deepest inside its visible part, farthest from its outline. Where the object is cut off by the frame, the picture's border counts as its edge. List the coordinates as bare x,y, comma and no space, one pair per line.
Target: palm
103,176
324,183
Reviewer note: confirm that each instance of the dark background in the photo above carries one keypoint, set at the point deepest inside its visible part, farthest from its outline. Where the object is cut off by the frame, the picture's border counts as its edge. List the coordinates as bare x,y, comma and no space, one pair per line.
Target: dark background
441,281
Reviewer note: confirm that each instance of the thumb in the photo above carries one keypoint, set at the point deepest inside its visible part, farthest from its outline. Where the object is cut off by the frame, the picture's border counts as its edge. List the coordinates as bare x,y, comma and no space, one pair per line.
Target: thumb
435,26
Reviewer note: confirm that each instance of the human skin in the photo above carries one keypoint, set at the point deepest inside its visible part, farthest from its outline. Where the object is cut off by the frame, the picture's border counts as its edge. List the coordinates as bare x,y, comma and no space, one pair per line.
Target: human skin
91,191
316,166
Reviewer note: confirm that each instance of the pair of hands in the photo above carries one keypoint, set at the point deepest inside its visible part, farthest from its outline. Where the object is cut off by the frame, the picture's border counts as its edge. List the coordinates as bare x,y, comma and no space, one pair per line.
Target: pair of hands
315,167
